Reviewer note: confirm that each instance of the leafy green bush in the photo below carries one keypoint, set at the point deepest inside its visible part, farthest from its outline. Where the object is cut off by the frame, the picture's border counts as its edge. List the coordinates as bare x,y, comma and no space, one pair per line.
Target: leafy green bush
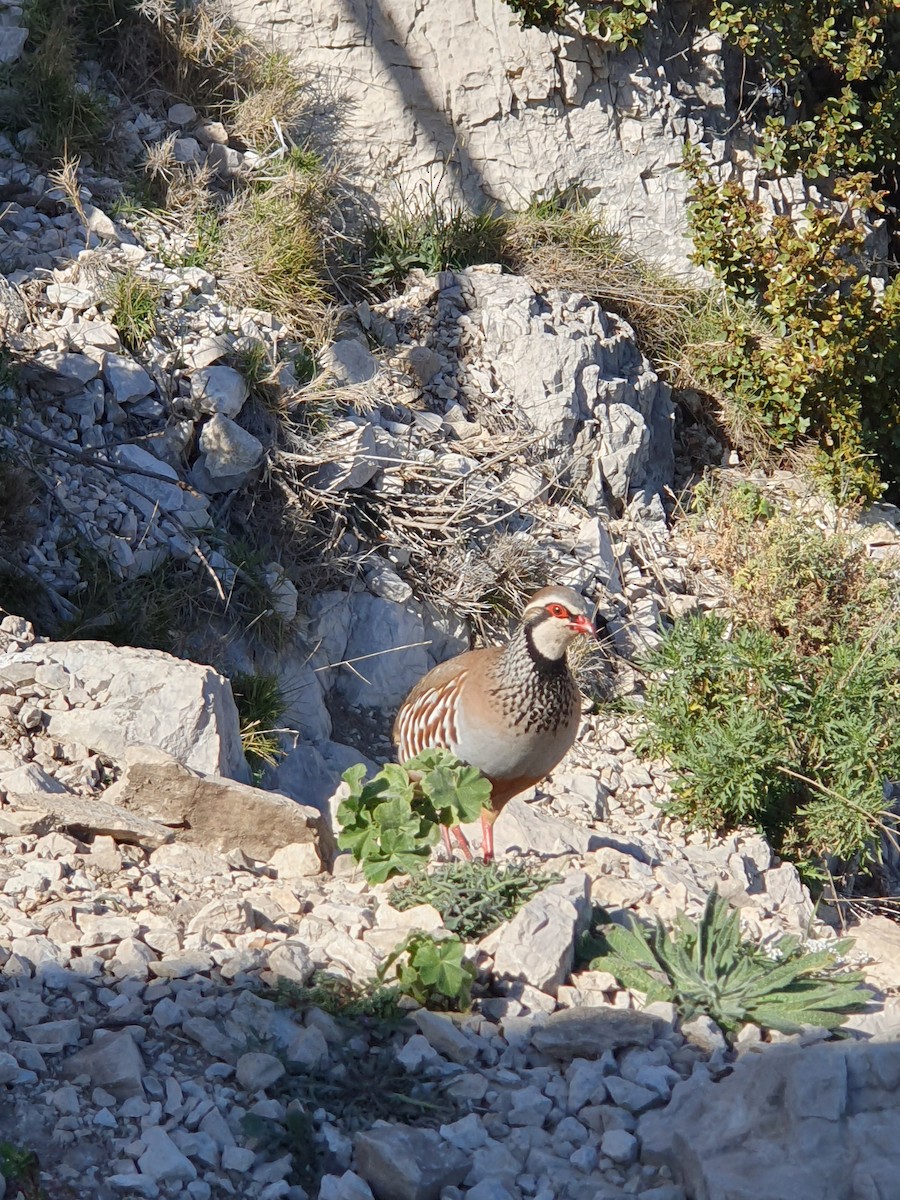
391,822
473,898
433,970
759,732
541,13
788,577
706,967
621,23
835,62
809,347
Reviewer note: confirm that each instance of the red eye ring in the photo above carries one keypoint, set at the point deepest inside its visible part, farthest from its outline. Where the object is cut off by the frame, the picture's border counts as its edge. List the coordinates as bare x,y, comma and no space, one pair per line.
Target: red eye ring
558,610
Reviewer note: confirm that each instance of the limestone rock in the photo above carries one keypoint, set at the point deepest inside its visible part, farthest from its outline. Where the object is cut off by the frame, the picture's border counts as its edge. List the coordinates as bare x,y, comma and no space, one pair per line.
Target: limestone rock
526,827
228,450
590,1032
162,1160
12,42
218,813
219,390
113,1062
149,699
789,1122
630,437
92,817
349,361
879,939
295,861
382,641
538,944
400,1163
161,487
291,961
354,457
126,379
312,775
613,121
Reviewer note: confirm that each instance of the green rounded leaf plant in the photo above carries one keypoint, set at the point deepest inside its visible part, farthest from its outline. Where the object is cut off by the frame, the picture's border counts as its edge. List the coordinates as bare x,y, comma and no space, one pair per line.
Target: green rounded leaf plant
434,971
390,822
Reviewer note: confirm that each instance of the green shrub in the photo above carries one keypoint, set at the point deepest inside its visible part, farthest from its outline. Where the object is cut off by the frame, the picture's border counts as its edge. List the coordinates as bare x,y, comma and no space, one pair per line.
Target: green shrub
810,350
787,576
42,91
135,309
261,706
541,13
432,237
759,732
835,62
621,23
270,252
706,967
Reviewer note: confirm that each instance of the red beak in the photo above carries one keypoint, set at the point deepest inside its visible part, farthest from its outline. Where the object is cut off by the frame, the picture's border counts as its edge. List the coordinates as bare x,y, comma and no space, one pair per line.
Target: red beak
581,624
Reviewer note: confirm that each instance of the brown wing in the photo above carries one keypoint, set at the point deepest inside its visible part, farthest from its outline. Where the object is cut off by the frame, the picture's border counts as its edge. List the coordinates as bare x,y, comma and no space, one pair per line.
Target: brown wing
427,717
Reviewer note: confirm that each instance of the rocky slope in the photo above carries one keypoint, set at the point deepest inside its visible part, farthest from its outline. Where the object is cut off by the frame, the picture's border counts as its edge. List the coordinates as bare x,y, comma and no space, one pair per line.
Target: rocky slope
144,1052
157,909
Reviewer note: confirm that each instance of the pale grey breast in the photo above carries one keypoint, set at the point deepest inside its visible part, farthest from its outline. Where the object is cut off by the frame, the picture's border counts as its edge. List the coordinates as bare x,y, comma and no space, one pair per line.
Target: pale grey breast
536,725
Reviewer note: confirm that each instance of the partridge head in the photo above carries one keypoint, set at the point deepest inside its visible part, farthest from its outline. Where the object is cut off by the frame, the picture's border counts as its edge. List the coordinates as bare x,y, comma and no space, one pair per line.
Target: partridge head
511,711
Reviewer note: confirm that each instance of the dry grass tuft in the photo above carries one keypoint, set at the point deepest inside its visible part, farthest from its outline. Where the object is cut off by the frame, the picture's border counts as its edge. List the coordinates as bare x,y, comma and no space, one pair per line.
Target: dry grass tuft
274,99
135,309
199,52
564,244
488,582
271,253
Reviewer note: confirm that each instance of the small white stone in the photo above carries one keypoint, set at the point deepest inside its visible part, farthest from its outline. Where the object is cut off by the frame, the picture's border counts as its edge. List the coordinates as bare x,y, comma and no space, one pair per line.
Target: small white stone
181,114
257,1070
237,1158
619,1145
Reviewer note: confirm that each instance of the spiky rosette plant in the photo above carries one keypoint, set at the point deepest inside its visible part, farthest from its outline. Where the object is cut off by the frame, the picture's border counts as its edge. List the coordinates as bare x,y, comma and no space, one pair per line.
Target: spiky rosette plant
707,967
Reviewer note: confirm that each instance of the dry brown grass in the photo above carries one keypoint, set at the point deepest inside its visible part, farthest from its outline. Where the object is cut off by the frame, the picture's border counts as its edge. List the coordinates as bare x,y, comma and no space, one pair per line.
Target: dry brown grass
199,53
272,256
790,572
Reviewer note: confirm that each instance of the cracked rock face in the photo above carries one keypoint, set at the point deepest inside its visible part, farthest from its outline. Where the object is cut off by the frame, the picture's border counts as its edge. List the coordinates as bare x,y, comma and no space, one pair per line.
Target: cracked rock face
515,112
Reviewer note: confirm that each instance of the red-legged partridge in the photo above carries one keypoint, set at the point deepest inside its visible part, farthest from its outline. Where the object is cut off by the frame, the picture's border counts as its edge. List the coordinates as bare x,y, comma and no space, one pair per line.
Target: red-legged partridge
511,711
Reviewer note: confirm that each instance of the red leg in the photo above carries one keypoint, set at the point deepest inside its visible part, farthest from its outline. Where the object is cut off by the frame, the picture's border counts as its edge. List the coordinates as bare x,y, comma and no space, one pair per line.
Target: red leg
462,843
487,835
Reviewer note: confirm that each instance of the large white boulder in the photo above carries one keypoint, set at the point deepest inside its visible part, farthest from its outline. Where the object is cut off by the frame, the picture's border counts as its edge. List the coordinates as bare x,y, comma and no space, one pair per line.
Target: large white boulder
121,696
